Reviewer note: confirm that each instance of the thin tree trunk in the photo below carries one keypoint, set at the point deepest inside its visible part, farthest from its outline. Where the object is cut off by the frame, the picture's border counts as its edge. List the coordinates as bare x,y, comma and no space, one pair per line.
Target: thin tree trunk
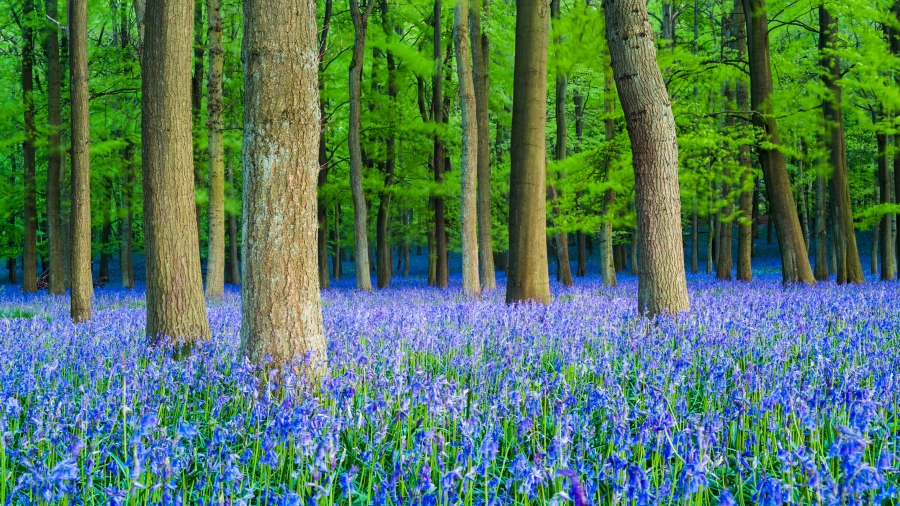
29,257
281,309
126,260
82,276
480,75
442,269
884,179
468,164
105,232
360,226
581,236
873,264
175,303
821,259
215,263
607,262
322,180
662,286
895,50
794,260
527,274
54,150
384,201
233,231
338,250
747,223
724,257
564,272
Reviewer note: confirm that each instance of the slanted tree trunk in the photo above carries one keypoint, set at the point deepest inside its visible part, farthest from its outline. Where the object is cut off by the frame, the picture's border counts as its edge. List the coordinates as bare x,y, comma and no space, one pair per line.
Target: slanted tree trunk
564,271
468,164
442,267
884,192
480,66
175,303
794,260
360,218
527,273
54,150
82,276
662,286
215,263
29,257
281,308
322,180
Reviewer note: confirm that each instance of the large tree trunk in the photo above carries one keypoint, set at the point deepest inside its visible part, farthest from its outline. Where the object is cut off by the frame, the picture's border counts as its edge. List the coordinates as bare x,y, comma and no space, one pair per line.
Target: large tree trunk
480,66
29,257
794,260
54,150
382,239
468,164
281,309
564,269
849,266
442,267
662,286
360,218
322,180
82,276
884,180
215,262
175,303
607,259
527,274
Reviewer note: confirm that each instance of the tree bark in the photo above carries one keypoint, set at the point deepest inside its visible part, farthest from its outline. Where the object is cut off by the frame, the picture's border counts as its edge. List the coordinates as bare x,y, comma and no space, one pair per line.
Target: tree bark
884,180
607,259
480,74
468,164
527,273
724,258
322,180
564,271
442,268
175,302
581,236
360,219
382,239
662,286
745,202
126,260
234,265
794,260
821,258
82,276
281,308
29,257
54,149
215,262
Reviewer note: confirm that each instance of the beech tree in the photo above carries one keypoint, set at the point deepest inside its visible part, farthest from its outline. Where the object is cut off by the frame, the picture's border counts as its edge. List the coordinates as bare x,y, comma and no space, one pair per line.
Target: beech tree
55,150
469,159
82,277
215,266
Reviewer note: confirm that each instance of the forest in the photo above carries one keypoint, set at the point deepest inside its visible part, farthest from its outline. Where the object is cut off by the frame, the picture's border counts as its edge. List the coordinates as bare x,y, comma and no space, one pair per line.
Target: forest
435,252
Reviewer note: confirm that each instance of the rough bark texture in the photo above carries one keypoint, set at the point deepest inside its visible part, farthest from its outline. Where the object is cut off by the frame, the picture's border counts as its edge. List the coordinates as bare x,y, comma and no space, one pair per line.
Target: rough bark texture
215,263
849,266
480,75
441,260
82,277
794,260
29,257
648,115
360,230
468,164
884,192
54,150
175,302
281,309
527,274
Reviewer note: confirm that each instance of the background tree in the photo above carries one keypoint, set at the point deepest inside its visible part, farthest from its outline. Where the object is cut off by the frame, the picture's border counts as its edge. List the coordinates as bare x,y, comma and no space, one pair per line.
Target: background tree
215,266
82,279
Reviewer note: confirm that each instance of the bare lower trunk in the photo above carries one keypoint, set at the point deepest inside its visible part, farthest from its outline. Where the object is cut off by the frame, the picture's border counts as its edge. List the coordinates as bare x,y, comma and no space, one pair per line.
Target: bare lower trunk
480,67
468,163
607,259
82,277
55,151
281,310
746,224
884,179
175,302
442,267
126,261
234,266
29,256
322,180
215,264
821,260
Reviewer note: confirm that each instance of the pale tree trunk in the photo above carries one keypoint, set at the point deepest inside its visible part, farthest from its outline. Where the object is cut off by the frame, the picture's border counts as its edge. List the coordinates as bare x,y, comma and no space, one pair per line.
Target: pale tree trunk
382,239
527,273
175,302
360,219
480,66
607,261
54,149
29,257
564,270
281,308
322,180
662,286
794,260
468,163
849,266
215,263
82,277
441,259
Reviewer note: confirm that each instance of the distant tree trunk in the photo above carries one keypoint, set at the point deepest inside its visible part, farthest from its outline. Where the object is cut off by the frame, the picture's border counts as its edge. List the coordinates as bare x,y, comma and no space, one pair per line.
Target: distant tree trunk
527,274
54,150
756,199
884,192
564,272
468,163
895,50
581,237
196,102
29,257
384,201
215,263
849,267
322,180
794,260
662,286
821,260
281,309
695,237
105,232
360,226
234,266
876,232
442,269
607,262
175,303
710,243
82,276
746,225
126,261
480,67
337,256
724,257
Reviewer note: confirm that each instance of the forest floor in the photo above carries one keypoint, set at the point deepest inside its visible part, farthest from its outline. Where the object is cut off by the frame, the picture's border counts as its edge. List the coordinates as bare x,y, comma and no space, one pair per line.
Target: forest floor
761,395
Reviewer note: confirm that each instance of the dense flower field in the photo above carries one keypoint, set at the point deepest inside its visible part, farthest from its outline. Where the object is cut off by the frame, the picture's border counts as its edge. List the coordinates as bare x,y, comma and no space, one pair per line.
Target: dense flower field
760,396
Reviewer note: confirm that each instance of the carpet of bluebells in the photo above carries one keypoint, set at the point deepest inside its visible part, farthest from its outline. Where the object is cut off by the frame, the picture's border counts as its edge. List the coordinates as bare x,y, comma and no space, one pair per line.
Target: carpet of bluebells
762,395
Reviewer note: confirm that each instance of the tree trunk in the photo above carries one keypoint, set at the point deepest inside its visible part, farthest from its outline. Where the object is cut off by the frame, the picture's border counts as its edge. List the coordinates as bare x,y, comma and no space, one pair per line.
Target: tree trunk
849,266
480,75
281,309
338,250
607,262
884,179
215,263
527,274
175,303
54,150
29,257
233,232
695,237
105,233
126,260
384,202
821,259
564,272
662,286
746,225
82,275
442,269
873,263
581,236
724,258
322,180
794,260
360,218
468,164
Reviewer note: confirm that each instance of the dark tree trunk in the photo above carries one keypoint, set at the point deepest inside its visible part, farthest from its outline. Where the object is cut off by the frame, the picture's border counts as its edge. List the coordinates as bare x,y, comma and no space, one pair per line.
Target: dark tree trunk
234,267
884,193
442,269
821,259
581,237
384,201
322,180
29,257
196,101
564,272
55,151
480,73
748,183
